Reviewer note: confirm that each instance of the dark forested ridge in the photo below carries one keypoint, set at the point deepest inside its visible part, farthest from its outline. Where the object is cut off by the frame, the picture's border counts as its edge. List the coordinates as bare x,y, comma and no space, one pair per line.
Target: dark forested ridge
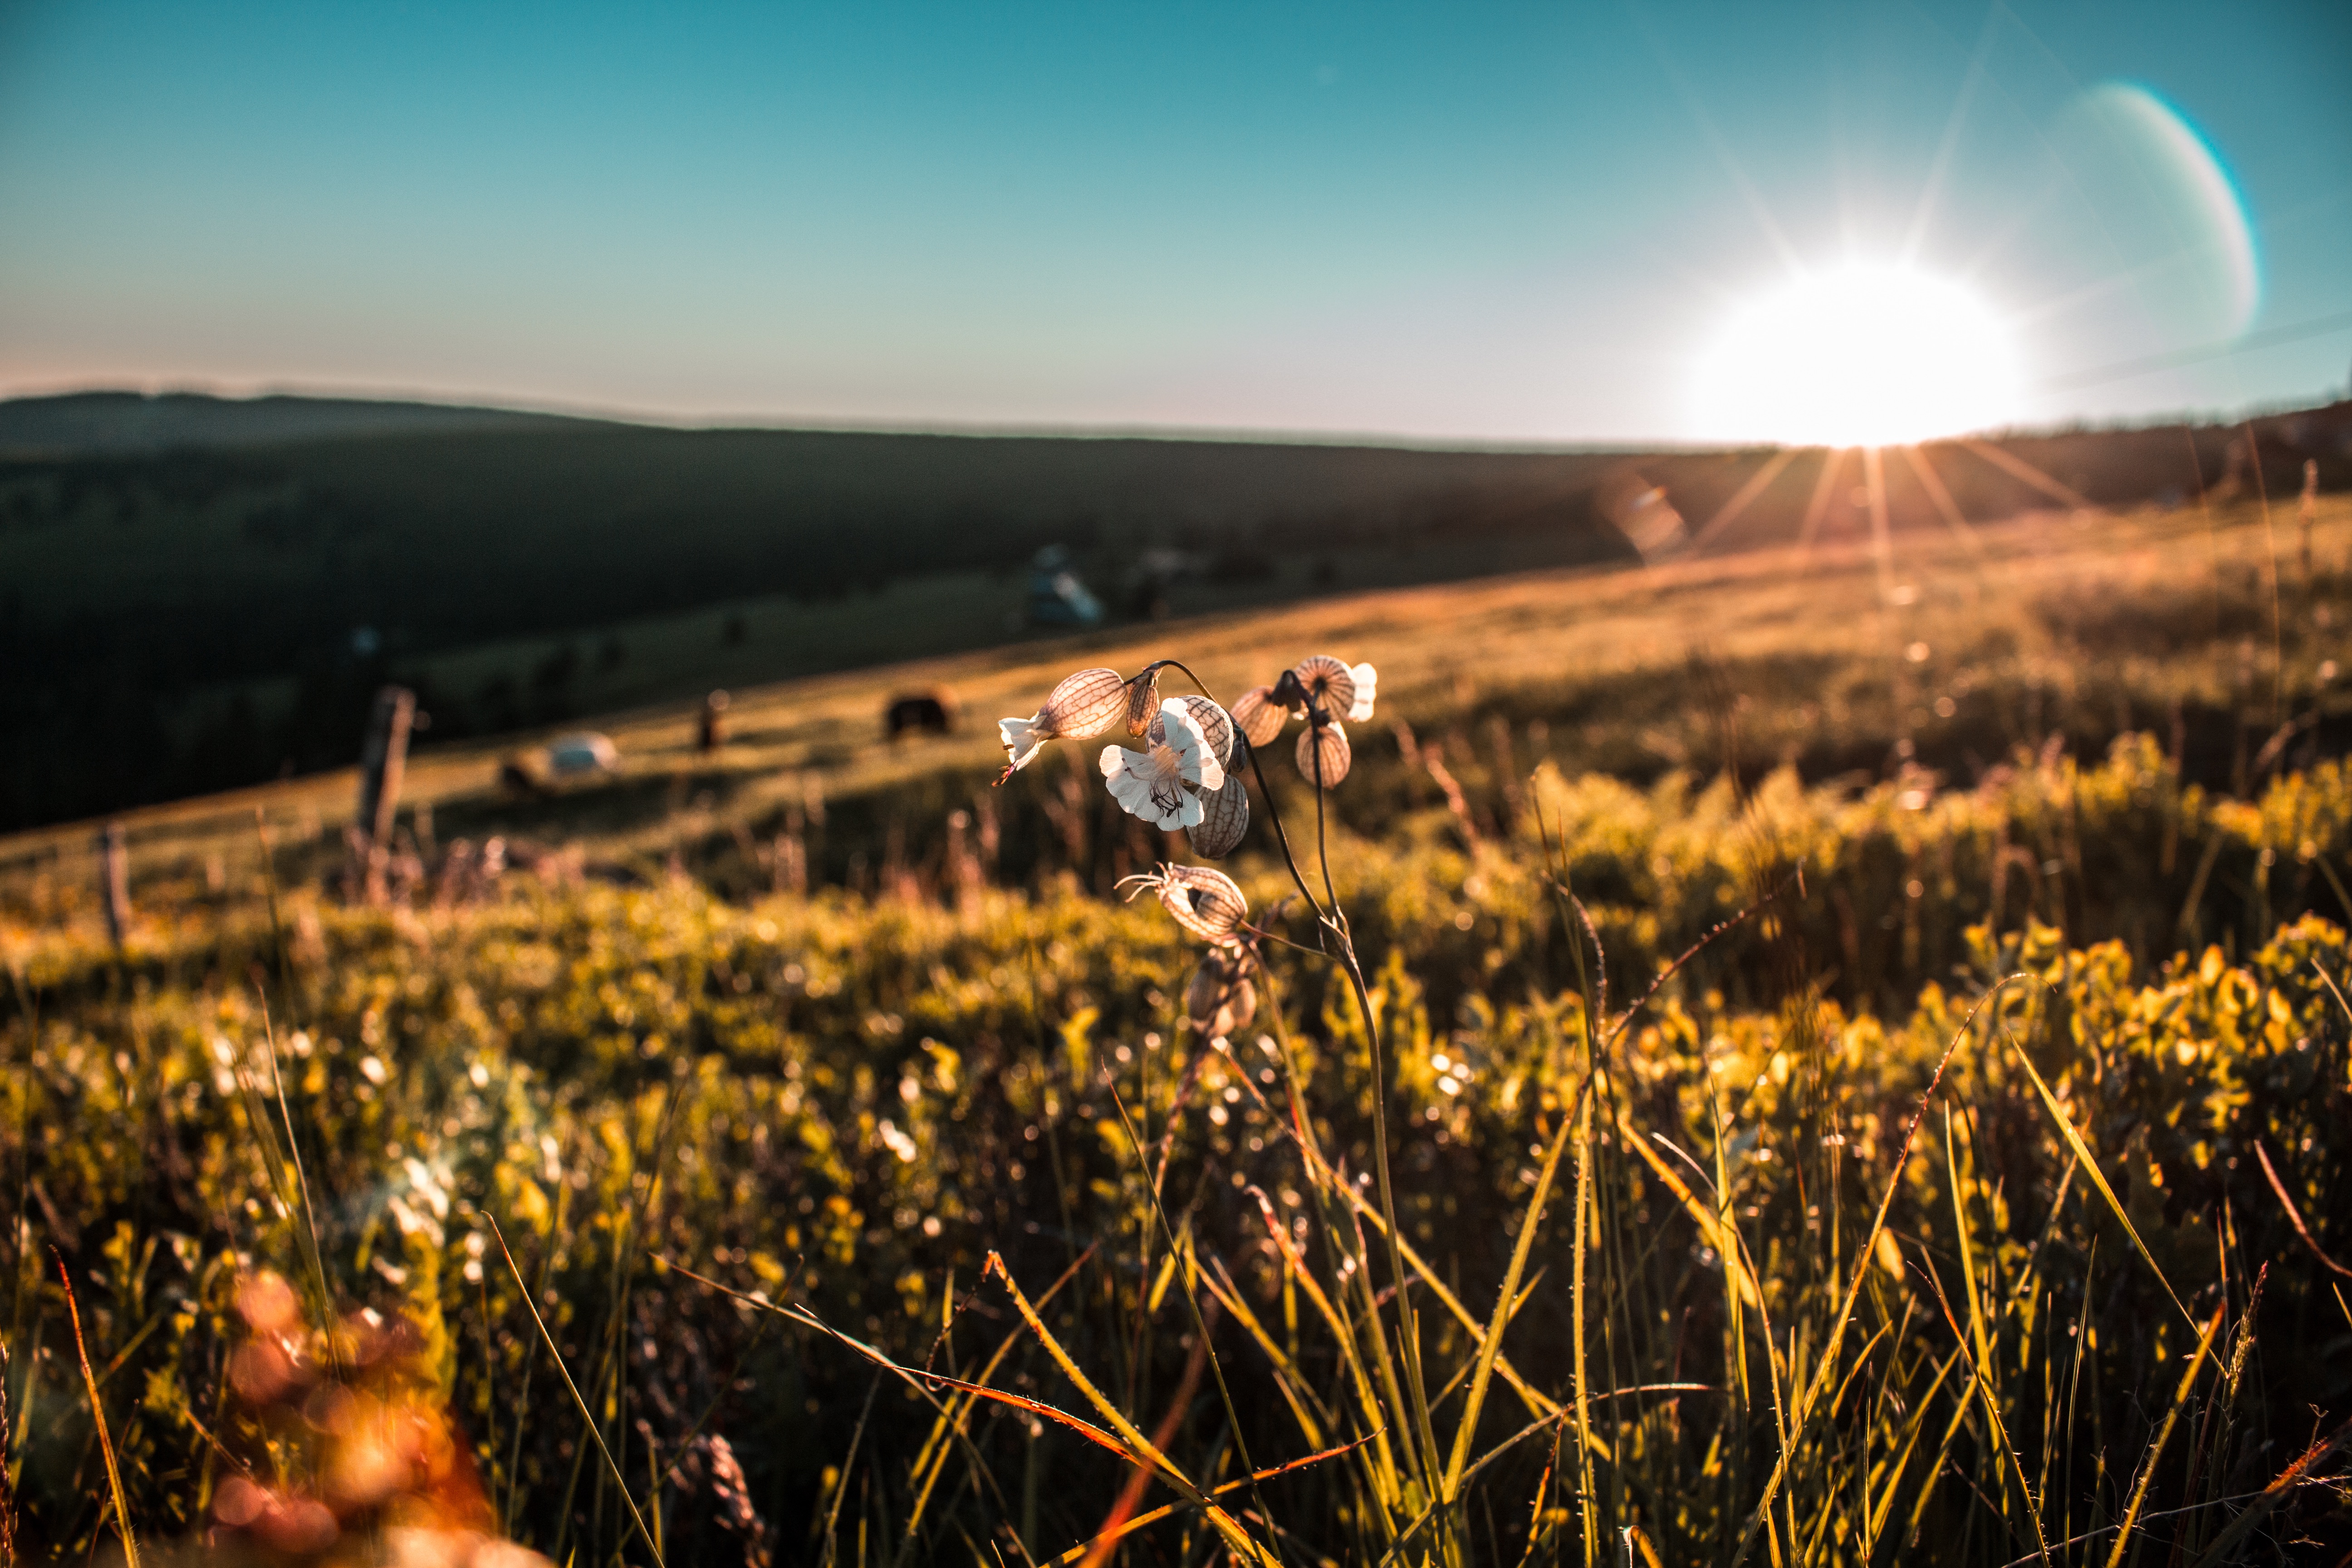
198,592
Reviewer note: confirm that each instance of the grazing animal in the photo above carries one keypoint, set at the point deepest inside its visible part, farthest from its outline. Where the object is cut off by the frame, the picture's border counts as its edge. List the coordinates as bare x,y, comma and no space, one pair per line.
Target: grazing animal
586,753
932,712
515,777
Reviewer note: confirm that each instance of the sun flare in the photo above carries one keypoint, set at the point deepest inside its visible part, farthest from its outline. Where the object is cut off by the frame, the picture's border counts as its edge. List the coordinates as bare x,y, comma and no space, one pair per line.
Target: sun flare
1862,356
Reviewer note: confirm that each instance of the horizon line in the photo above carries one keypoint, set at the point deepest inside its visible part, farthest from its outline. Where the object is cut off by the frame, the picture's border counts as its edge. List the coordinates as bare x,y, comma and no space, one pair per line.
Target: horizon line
1206,435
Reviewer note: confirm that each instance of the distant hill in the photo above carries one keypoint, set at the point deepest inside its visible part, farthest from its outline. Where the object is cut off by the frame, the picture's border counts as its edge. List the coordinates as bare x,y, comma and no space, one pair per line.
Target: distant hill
114,424
197,592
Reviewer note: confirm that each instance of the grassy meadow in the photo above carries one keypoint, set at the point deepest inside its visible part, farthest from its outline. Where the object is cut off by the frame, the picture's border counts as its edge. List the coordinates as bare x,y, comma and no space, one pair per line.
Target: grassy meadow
1823,1056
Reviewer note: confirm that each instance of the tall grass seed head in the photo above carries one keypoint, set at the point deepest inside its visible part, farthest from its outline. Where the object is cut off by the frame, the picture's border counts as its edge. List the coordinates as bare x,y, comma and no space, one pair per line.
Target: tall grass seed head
1204,900
1083,705
1162,783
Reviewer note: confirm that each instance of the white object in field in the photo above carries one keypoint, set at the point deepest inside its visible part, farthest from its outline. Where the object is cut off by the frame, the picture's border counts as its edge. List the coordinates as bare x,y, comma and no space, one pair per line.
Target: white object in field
583,753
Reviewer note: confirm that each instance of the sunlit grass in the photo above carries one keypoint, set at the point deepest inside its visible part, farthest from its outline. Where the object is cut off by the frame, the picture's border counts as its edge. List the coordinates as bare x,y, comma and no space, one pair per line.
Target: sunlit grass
1926,1213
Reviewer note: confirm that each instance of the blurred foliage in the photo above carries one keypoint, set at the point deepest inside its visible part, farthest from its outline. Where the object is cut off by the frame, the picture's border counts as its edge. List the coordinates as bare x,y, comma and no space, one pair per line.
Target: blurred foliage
847,1102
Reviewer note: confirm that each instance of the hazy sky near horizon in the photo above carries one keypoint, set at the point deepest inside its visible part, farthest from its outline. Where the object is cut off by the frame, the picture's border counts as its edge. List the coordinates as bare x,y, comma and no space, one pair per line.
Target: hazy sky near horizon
1481,222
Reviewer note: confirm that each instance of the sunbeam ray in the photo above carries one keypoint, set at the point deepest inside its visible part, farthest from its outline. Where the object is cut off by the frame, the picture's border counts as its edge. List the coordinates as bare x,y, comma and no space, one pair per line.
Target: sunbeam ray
1832,462
1717,144
2017,467
1941,497
1882,541
1728,513
1933,186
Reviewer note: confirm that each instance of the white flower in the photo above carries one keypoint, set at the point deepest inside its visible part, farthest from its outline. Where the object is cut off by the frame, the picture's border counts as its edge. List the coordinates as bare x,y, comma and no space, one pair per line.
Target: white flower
1022,739
1083,705
1367,679
1160,784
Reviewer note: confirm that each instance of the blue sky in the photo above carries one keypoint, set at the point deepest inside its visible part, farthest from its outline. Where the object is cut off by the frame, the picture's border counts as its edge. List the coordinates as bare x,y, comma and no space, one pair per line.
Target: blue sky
1464,223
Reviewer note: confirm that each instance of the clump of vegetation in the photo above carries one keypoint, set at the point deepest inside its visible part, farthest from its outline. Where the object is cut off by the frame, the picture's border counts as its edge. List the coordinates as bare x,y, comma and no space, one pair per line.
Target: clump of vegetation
855,1221
1509,1149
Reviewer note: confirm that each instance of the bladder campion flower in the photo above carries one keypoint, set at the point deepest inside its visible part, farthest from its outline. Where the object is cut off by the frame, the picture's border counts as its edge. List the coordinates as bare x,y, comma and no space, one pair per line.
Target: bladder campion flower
1204,900
1317,685
1330,741
1259,715
1341,690
1216,727
1224,810
1162,783
1083,705
1221,999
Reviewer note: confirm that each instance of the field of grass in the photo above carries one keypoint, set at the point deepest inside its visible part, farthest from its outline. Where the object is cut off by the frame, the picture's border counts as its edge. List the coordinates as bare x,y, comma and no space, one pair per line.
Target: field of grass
1977,1194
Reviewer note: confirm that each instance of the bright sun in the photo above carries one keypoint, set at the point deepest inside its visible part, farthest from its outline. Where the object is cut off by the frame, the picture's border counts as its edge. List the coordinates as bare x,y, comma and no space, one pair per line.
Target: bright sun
1863,356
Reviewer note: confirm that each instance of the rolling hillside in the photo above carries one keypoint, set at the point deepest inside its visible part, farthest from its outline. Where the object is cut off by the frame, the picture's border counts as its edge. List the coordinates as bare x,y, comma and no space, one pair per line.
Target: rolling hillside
207,591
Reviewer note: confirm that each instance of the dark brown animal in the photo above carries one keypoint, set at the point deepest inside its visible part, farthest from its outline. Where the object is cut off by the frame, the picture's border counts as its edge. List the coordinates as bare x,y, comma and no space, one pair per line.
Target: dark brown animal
932,712
516,778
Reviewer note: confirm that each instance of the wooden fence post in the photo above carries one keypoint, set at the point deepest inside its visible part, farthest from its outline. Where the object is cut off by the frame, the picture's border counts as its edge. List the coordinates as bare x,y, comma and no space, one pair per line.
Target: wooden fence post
114,882
383,759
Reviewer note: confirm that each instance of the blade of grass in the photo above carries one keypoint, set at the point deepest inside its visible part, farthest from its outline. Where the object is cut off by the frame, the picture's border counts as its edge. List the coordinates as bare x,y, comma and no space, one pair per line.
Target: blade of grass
312,1254
2292,1215
2163,1433
1078,1553
1490,1343
1186,1274
841,1487
2082,1149
1864,1262
1983,1382
594,1429
930,1463
2296,1475
1139,1447
98,1414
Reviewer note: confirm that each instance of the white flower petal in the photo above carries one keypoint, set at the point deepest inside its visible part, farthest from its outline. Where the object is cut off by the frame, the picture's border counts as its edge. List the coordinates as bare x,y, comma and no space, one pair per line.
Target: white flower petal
1022,737
1367,681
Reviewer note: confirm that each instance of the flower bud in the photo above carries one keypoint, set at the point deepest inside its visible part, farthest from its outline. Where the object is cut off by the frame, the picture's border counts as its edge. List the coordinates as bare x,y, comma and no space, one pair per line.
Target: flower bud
1225,818
1143,701
1259,716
